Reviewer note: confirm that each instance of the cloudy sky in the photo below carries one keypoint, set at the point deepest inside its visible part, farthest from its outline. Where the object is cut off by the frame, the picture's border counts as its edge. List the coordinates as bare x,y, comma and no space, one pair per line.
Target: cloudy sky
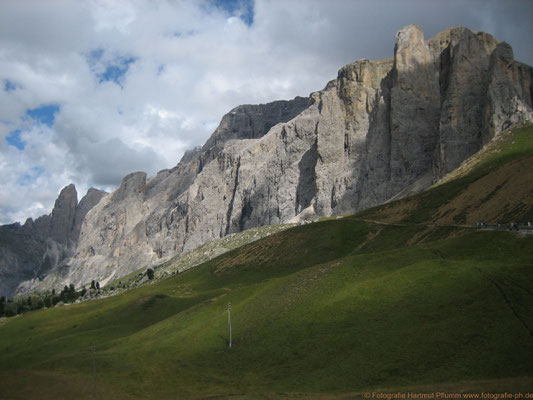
93,90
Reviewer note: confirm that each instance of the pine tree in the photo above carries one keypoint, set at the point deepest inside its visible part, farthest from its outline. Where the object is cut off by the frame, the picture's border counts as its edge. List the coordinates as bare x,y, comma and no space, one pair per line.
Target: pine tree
150,273
2,305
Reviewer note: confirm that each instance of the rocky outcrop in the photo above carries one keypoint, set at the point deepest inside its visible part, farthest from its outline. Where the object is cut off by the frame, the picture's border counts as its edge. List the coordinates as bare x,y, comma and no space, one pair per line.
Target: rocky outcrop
254,121
381,130
21,257
62,220
88,201
30,252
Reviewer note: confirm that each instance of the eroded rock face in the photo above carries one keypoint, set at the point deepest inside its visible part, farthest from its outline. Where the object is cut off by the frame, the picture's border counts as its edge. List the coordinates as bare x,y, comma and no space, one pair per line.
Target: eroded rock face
88,201
381,130
414,108
63,214
254,121
29,253
21,257
510,91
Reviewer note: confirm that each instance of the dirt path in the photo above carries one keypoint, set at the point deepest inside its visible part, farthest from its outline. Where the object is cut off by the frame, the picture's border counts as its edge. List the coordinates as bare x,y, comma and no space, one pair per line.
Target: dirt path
429,225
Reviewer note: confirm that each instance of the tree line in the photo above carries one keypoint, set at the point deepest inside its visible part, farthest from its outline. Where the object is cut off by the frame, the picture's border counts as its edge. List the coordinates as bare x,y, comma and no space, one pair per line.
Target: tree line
10,307
21,304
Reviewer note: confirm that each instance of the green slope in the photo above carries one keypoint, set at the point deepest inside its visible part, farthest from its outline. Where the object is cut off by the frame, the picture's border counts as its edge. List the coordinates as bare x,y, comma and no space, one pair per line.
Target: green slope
328,309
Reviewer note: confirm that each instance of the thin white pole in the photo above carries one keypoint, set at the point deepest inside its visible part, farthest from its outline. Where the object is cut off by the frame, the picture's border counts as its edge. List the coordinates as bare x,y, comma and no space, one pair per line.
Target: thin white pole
229,323
94,371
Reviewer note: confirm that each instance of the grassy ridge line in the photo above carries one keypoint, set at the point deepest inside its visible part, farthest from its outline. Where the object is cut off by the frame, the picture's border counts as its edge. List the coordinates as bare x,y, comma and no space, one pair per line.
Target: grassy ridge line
185,261
511,144
208,251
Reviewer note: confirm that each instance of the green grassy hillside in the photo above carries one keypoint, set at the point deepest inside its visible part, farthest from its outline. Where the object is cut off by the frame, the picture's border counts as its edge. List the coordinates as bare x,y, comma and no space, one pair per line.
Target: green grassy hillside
396,298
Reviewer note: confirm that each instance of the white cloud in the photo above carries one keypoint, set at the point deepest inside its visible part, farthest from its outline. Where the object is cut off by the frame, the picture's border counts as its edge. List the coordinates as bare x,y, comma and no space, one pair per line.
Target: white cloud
178,67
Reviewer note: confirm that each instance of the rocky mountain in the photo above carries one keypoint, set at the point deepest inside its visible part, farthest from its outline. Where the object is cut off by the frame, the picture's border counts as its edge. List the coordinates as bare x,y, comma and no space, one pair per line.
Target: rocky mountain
381,130
29,252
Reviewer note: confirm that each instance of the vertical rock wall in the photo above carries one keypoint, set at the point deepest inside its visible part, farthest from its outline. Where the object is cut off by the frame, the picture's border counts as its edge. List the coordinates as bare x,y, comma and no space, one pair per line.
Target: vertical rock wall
29,253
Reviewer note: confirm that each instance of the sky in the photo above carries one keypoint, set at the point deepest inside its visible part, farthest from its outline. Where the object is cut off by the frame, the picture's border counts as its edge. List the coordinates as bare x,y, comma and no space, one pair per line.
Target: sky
91,90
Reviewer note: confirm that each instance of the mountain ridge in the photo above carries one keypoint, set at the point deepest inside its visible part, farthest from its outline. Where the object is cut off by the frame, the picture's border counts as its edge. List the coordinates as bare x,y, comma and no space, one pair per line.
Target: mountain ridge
380,130
30,251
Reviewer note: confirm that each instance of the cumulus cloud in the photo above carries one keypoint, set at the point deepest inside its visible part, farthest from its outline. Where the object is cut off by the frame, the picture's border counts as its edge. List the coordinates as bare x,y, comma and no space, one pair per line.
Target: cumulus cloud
92,90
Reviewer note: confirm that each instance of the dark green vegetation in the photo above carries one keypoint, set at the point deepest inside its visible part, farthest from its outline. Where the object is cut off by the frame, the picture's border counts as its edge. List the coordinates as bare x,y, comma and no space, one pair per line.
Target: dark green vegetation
383,299
22,304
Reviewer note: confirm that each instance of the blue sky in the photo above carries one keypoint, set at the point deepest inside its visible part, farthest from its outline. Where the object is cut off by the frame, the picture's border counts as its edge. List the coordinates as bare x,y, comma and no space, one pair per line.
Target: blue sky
14,140
243,8
44,115
115,72
108,69
9,86
93,90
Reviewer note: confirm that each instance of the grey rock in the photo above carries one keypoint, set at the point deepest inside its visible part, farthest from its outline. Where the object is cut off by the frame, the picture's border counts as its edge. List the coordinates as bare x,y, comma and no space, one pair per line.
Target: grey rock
63,214
464,92
88,201
29,253
21,255
132,185
510,91
415,108
254,121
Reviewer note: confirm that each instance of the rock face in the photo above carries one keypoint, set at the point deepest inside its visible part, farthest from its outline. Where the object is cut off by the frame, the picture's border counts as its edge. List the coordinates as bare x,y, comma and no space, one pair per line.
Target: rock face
21,257
381,130
28,253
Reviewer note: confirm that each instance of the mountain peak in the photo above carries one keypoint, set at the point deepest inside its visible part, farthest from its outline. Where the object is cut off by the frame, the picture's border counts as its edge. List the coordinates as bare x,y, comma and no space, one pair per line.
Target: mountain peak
132,185
63,214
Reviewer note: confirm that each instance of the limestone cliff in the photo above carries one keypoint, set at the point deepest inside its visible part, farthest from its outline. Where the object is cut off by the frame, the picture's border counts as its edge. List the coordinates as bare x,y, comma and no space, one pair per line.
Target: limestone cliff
380,130
28,253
